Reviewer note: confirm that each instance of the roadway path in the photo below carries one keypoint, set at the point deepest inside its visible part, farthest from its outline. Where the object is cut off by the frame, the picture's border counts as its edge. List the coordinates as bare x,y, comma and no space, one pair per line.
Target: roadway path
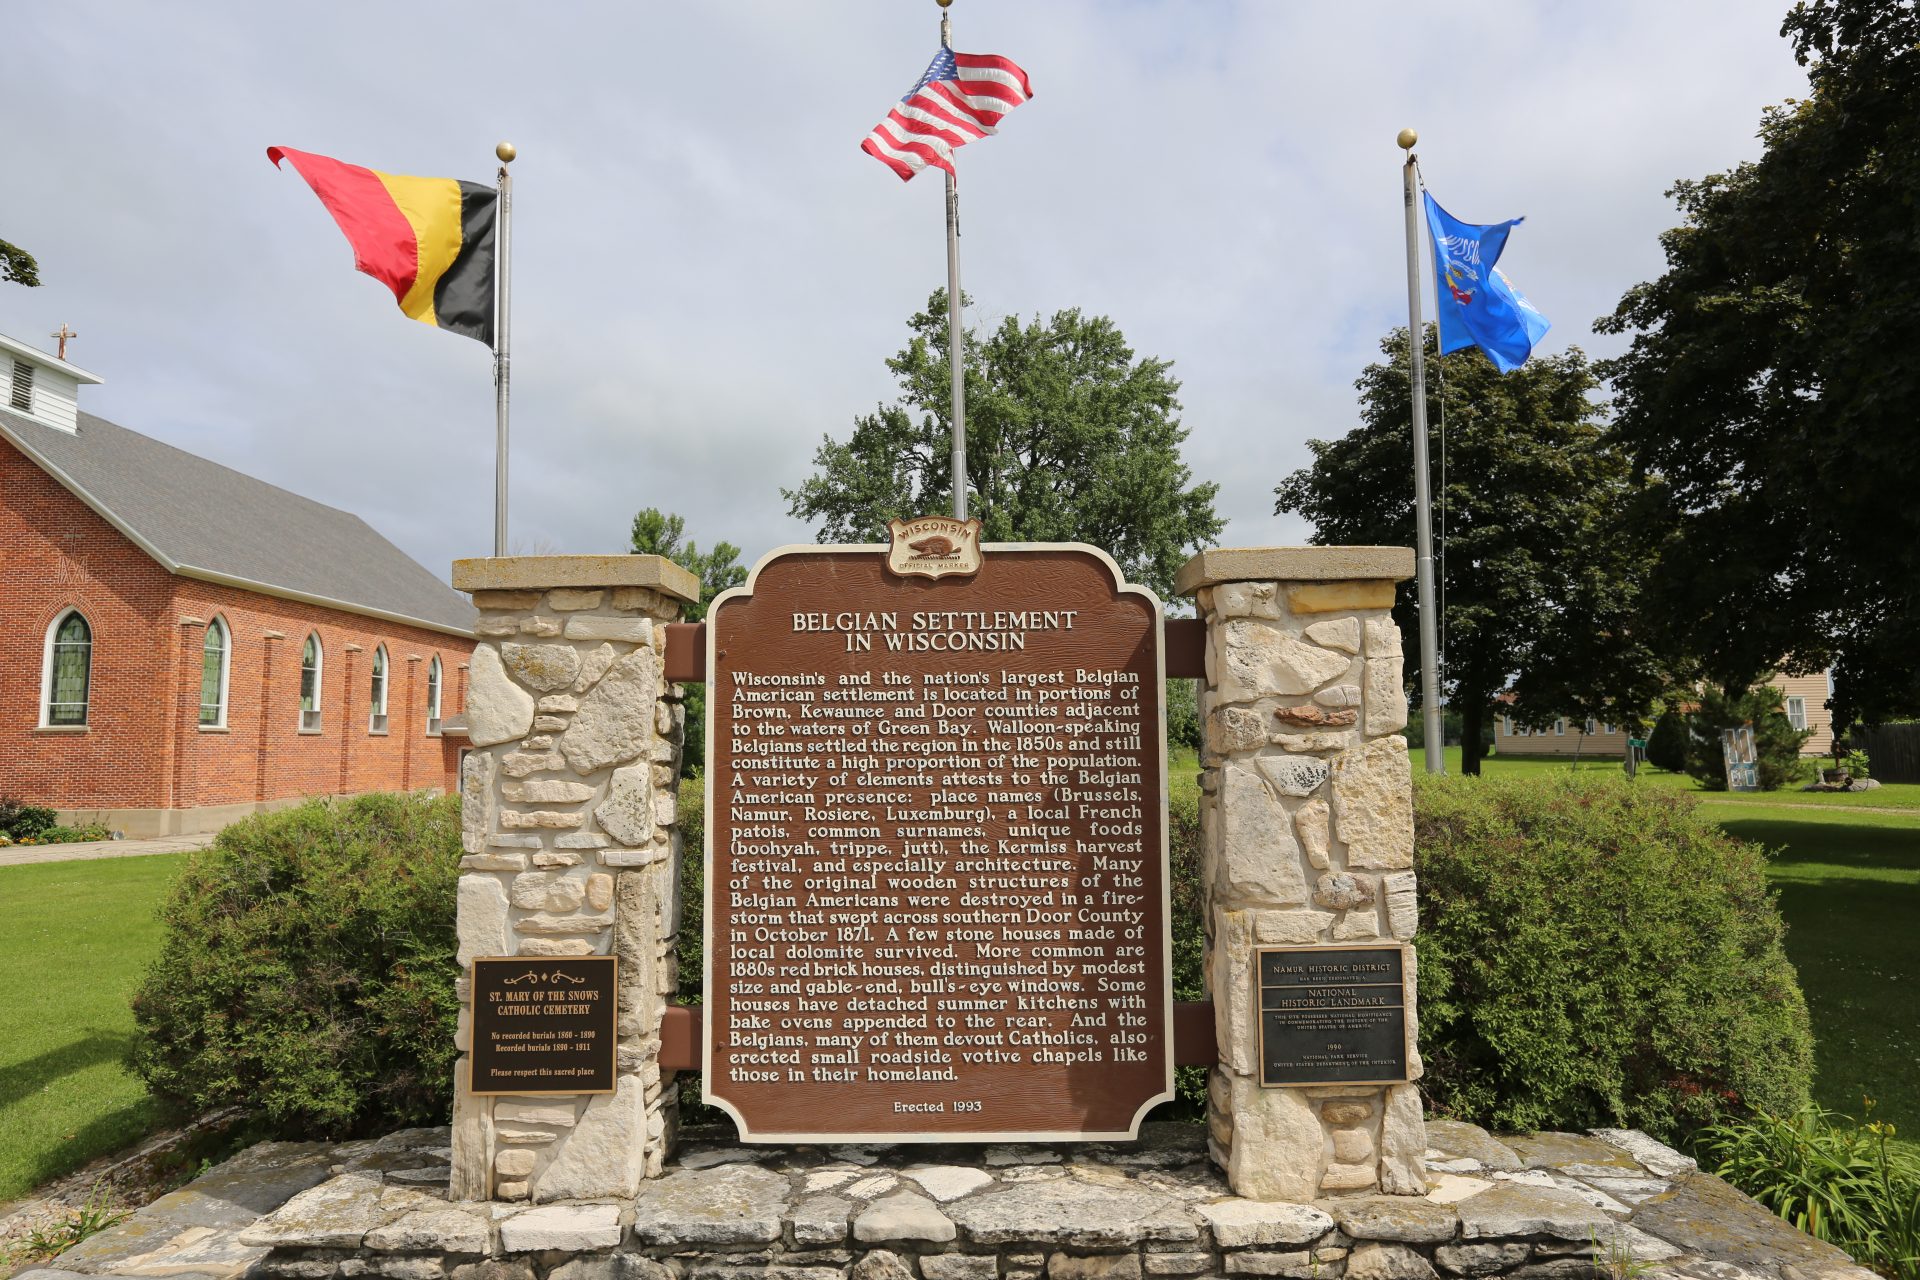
91,850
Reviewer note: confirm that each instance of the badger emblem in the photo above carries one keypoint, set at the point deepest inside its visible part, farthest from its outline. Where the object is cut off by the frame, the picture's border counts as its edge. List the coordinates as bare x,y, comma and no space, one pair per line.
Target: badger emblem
935,547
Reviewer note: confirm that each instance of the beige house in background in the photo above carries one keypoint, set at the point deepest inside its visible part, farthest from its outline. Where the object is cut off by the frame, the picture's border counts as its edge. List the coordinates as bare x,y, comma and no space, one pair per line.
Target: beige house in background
1806,703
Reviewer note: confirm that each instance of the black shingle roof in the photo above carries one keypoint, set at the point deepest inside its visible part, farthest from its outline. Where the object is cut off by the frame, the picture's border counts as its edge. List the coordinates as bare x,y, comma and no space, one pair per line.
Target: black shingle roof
199,515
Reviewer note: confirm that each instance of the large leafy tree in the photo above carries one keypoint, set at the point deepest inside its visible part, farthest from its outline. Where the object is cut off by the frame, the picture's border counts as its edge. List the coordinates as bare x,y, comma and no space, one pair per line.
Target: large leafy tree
1772,383
17,266
661,533
1069,438
1539,575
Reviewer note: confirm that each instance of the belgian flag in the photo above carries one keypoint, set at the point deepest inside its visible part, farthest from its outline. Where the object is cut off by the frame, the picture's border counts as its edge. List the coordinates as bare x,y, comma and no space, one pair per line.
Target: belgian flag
430,240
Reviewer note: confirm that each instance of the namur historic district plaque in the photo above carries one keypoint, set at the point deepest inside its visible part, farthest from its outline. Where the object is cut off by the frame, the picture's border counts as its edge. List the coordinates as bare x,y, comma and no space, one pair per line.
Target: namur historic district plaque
1332,1015
936,842
544,1024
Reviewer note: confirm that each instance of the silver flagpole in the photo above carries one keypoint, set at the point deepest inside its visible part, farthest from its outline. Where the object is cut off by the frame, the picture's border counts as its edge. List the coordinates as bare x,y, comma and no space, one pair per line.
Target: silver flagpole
1423,500
956,337
502,357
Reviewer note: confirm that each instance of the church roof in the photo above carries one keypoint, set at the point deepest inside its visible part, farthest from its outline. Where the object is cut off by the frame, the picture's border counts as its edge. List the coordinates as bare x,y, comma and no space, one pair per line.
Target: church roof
201,520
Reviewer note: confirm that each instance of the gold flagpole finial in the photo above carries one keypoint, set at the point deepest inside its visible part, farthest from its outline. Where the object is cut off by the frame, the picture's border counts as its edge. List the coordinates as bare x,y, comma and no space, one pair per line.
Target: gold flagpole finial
506,152
1406,139
943,3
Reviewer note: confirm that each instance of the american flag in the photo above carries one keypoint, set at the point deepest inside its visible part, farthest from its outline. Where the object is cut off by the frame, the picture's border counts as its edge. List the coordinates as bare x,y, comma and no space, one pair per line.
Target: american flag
961,97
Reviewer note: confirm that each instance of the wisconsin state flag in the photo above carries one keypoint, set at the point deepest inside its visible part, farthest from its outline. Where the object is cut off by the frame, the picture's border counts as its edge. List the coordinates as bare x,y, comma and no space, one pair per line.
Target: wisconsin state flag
430,240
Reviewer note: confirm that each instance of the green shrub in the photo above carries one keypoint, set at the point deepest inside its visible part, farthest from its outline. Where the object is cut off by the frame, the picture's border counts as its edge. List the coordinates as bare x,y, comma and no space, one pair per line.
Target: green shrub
1596,954
23,821
1667,745
1776,743
308,969
1835,1179
1183,714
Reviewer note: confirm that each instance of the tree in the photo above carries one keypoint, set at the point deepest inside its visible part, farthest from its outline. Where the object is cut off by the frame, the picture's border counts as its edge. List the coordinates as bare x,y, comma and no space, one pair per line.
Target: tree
1776,743
661,534
1771,381
1667,744
1539,575
17,266
1069,438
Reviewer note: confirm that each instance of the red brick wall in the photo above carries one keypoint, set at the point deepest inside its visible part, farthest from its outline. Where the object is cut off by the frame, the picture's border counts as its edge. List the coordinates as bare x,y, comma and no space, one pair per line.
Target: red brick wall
143,747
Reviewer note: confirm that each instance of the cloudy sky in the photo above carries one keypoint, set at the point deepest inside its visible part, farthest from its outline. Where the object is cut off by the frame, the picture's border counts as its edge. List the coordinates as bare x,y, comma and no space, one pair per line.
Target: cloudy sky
707,272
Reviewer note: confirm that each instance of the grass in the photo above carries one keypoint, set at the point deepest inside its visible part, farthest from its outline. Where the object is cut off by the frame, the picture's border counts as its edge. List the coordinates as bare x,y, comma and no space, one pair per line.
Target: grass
78,938
1891,795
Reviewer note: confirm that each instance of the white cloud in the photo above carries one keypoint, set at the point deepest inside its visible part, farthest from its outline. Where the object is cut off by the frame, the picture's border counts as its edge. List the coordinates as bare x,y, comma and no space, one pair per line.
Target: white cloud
708,275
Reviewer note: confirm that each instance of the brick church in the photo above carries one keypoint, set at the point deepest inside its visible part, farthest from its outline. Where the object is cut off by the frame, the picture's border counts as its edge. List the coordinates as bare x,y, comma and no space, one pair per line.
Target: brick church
182,645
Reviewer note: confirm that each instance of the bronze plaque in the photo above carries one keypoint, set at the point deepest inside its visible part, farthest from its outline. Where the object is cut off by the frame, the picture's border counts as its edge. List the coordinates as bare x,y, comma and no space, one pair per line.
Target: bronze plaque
543,1024
936,842
1332,1015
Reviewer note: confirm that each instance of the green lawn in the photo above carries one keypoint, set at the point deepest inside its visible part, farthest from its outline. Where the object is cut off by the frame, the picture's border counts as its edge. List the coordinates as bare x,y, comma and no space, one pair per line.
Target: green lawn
1891,795
78,937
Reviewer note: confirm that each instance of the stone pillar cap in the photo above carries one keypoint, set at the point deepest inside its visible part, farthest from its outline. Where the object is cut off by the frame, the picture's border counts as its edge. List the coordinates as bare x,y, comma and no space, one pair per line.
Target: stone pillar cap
541,573
1292,564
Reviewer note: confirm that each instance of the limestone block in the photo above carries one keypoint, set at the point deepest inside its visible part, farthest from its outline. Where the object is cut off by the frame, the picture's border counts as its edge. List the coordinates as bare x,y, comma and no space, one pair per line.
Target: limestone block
1310,825
518,601
554,791
491,628
541,666
604,1153
1260,660
581,840
1350,1146
540,819
1296,927
627,630
536,625
734,1204
579,923
494,862
547,891
1339,695
1239,1223
640,599
548,861
498,710
1386,696
481,910
558,704
1339,597
1230,982
1388,1262
1297,776
1403,904
1349,1177
476,804
627,858
1258,858
1343,891
879,1264
960,1266
1403,1143
1357,926
1311,715
615,720
517,1163
627,812
821,1219
1383,638
600,891
570,599
563,1228
1481,1259
549,724
1231,729
1247,600
557,947
1321,742
636,940
592,667
1098,1266
1346,1113
666,808
518,764
1373,805
1336,633
904,1216
441,1230
471,1177
514,842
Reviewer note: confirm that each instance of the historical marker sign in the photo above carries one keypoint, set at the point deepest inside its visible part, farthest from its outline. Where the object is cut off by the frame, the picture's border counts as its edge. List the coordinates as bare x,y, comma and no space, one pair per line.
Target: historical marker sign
1333,1015
936,843
544,1024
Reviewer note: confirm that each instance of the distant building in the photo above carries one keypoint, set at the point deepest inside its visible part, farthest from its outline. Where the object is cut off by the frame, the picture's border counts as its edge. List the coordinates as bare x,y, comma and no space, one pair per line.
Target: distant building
182,645
1806,705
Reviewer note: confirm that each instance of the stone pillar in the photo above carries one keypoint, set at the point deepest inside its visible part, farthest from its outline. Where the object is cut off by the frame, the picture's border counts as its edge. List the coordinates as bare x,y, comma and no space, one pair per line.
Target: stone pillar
571,849
1306,818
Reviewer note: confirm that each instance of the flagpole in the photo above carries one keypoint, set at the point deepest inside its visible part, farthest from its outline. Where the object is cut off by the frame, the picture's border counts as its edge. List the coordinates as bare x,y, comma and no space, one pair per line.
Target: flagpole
502,357
1435,744
956,336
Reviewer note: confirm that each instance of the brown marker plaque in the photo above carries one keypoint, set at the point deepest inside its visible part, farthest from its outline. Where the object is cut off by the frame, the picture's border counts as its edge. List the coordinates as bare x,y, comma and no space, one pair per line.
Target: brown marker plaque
544,1024
1332,1015
936,842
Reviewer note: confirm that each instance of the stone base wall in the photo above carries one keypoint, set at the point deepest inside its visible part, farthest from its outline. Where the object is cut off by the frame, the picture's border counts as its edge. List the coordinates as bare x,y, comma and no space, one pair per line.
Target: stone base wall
572,849
1307,838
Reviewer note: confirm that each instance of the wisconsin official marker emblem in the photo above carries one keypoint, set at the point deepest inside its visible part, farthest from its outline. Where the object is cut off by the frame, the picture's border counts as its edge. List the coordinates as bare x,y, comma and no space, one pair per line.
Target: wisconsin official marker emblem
934,547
